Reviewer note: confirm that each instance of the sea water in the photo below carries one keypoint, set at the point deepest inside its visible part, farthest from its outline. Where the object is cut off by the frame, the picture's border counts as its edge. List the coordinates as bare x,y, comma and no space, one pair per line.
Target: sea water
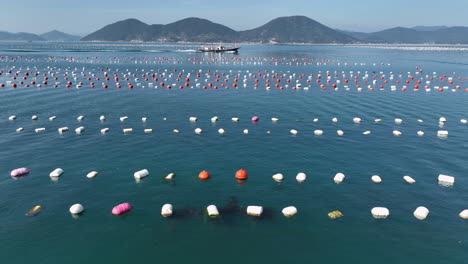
143,236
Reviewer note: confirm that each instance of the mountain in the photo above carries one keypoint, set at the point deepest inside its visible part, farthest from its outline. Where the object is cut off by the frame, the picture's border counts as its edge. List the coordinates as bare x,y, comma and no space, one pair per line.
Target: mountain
7,36
189,29
401,35
56,35
428,28
295,29
125,30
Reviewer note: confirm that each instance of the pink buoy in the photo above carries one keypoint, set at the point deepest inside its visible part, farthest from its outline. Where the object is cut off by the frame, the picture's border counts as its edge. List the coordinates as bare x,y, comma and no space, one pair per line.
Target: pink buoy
255,119
121,208
19,172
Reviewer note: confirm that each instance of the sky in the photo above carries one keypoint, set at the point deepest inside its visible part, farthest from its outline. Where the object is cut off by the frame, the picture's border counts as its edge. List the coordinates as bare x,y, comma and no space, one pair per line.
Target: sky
86,16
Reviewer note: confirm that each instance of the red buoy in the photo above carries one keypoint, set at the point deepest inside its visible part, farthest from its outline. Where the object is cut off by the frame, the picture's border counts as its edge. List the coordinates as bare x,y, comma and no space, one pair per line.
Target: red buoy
204,175
241,175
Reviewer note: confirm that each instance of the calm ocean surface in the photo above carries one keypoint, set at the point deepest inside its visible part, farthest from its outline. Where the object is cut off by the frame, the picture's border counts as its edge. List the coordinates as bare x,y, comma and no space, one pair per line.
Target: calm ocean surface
143,236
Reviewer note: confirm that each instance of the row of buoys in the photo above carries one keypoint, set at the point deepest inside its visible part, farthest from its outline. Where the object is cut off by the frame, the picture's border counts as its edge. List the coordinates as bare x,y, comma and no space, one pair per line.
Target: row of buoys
215,79
356,120
167,210
241,174
222,131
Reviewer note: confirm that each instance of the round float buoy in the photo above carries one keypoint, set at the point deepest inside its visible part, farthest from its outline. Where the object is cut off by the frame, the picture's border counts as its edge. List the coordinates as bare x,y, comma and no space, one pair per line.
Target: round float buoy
289,211
241,174
278,177
301,177
255,119
380,212
76,209
121,208
166,210
19,172
204,175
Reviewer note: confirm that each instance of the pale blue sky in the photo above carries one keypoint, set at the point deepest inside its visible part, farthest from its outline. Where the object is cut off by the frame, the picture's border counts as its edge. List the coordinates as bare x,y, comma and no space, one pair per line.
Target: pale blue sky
86,16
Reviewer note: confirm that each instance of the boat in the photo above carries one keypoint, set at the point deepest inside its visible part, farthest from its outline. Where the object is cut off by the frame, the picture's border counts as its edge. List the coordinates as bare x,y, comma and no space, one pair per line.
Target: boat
220,48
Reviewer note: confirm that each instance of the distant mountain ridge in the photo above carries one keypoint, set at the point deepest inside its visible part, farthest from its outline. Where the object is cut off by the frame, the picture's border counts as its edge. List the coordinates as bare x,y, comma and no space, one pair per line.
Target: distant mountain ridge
401,35
294,29
286,30
56,35
21,36
53,35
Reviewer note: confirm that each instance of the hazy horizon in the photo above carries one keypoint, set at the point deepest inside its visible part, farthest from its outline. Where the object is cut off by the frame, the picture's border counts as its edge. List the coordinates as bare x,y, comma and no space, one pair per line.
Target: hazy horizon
362,16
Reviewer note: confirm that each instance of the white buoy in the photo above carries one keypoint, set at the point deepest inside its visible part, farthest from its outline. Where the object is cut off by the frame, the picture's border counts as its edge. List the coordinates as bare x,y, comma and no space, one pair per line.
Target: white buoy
409,180
80,118
123,118
76,209
398,121
318,132
301,177
293,131
166,210
40,129
339,177
62,130
148,130
289,211
357,120
127,130
56,173
446,180
235,119
198,131
376,179
141,174
52,118
421,212
144,119
380,212
221,131
463,121
278,177
79,129
420,133
102,118
193,119
368,132
442,120
246,131
420,121
92,174
214,119
334,120
170,176
274,119
19,129
34,117
12,117
442,133
254,210
212,210
104,130
378,120
464,214
176,131
340,132
396,133
315,120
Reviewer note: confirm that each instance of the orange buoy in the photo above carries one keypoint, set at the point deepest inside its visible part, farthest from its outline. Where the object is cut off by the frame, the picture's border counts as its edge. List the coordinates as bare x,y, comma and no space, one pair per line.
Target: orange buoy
204,175
241,175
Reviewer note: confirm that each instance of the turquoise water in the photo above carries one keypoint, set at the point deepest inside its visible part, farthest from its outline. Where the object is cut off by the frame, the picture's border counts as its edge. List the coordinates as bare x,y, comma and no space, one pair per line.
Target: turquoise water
54,236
